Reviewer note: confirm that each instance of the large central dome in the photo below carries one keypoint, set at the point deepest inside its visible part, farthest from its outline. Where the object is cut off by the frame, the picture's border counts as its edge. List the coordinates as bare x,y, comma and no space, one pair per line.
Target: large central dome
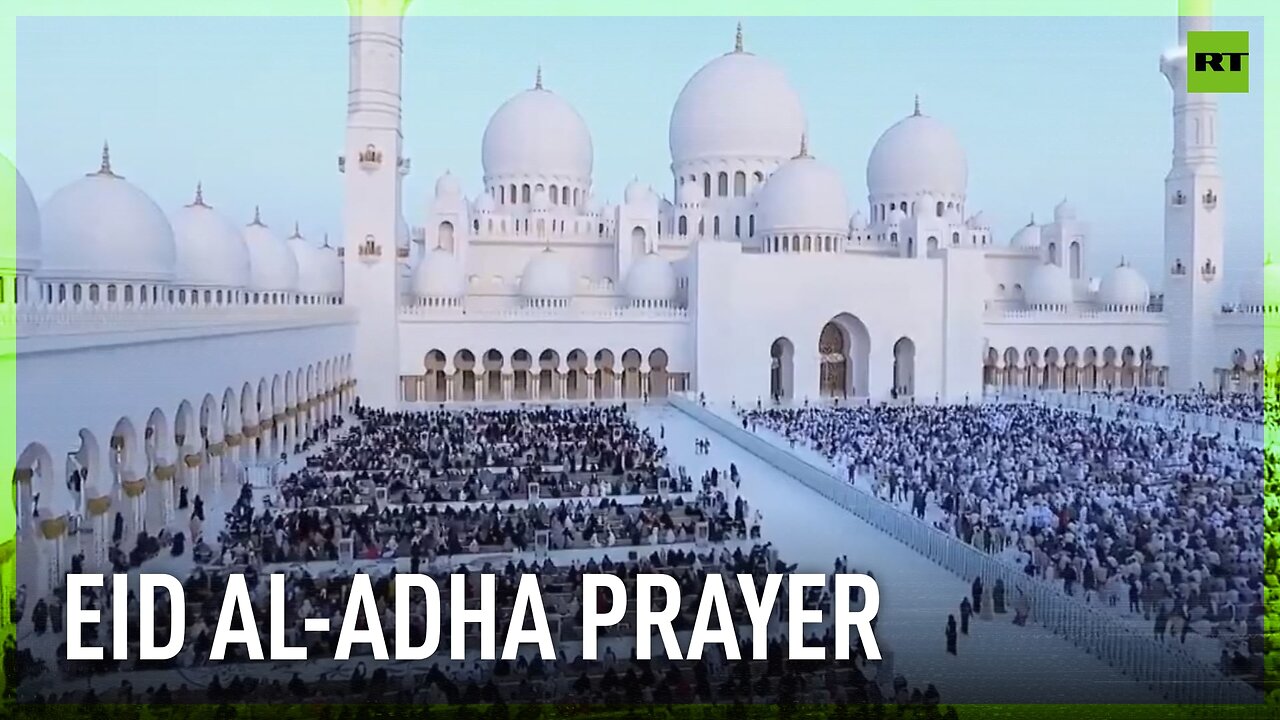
537,134
737,106
918,155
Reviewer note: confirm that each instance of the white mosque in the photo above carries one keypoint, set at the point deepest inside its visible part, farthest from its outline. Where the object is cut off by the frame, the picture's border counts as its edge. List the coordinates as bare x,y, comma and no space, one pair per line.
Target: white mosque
155,348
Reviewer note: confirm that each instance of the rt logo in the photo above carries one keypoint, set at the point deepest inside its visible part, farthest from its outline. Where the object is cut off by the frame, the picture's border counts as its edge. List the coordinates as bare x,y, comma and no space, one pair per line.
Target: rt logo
1219,62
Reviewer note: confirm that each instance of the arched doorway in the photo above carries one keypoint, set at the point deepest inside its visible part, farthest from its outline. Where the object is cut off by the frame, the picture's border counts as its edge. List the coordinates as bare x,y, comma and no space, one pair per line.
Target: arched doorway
631,361
464,363
548,375
521,363
844,349
658,376
576,380
436,381
492,375
604,376
904,367
781,370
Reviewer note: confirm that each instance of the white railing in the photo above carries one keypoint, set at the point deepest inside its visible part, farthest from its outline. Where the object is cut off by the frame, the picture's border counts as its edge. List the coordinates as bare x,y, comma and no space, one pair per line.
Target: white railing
628,314
40,320
1076,315
1174,672
1197,422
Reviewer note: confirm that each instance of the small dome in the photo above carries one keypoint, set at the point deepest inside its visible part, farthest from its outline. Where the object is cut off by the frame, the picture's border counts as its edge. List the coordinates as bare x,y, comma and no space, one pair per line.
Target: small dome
1049,286
485,204
918,154
1026,237
537,133
652,279
977,220
739,105
26,256
272,265
857,222
333,271
438,276
1064,211
803,194
447,186
638,194
210,250
313,277
1124,289
547,277
101,227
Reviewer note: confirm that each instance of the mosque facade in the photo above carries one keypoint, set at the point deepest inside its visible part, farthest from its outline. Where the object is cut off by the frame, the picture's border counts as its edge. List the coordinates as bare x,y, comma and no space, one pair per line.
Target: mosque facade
191,345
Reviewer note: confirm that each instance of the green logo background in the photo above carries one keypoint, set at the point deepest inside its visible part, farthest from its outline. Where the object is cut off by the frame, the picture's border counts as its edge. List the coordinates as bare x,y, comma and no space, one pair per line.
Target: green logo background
1214,81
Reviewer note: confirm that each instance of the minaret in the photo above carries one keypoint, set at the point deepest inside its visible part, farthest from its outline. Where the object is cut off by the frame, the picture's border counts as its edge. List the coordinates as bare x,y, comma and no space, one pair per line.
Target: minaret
1193,217
371,166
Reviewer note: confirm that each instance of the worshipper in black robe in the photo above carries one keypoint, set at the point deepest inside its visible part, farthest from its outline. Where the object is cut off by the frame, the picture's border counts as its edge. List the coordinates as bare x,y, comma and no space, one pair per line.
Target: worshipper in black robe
179,544
966,610
56,615
197,508
182,498
1162,621
951,634
117,534
997,597
977,594
40,616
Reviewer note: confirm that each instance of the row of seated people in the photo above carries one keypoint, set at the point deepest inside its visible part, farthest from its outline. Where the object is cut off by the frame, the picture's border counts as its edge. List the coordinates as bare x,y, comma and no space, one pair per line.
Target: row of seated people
1160,521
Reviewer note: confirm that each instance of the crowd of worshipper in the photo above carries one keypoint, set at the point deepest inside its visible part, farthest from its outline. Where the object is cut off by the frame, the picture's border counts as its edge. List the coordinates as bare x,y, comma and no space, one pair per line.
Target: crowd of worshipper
1237,406
1157,521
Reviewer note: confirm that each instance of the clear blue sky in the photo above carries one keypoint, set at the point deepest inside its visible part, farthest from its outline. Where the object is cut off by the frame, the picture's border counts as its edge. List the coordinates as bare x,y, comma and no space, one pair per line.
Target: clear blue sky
1046,107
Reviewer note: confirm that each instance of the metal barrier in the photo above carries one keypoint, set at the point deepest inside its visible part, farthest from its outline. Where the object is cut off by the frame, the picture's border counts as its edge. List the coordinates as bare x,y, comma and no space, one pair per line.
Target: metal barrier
1166,667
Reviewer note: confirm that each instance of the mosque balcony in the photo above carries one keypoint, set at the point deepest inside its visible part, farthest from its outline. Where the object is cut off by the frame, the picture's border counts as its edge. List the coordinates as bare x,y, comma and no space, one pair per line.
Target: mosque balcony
1073,316
458,312
370,158
59,326
404,165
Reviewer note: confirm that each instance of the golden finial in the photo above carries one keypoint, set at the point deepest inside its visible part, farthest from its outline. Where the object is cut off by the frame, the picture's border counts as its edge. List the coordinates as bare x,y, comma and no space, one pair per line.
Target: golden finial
257,217
737,40
296,232
537,82
916,113
1122,261
804,146
1032,221
105,167
326,241
199,201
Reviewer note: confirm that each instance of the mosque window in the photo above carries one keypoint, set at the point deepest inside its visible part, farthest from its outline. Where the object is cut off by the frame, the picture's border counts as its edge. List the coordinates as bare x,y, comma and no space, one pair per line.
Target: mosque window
93,293
502,194
893,238
786,244
715,226
751,225
1178,267
182,297
706,184
75,295
128,293
602,228
702,227
722,184
1179,198
511,195
737,226
555,194
142,295
1000,290
759,177
564,195
939,210
219,297
739,184
524,193
475,225
955,238
682,226
932,243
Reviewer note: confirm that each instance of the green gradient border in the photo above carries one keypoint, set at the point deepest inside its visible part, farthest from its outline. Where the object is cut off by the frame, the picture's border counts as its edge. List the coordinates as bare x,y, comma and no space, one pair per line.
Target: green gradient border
1269,10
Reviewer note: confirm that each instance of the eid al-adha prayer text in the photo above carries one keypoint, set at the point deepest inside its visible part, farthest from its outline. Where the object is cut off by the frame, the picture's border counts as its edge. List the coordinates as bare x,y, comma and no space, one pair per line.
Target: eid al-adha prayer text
361,623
